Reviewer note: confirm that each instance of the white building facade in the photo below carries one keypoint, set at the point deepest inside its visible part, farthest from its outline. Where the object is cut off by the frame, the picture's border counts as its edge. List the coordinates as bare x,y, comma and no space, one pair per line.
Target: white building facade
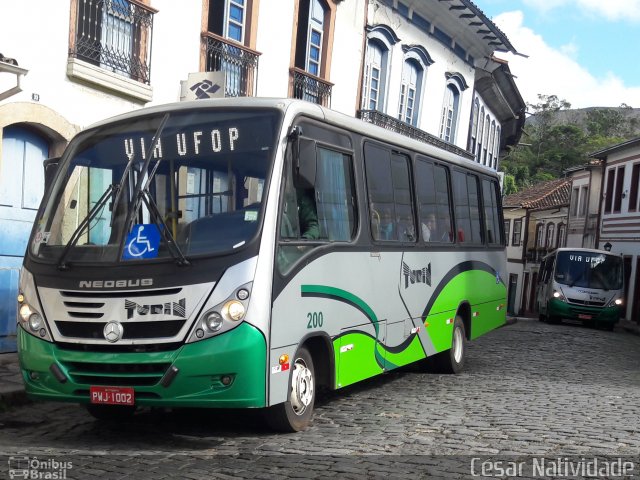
80,61
619,228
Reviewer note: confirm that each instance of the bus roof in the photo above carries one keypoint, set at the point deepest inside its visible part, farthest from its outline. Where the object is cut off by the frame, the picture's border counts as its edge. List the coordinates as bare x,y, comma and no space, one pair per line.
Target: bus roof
312,110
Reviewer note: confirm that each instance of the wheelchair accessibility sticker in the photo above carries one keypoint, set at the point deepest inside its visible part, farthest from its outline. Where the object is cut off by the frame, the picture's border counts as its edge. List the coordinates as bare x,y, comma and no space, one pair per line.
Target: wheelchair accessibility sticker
142,242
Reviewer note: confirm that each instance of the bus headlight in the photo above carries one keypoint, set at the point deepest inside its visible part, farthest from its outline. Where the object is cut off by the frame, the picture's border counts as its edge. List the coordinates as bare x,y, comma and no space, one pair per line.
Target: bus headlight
234,310
616,302
558,295
222,315
30,313
31,320
212,321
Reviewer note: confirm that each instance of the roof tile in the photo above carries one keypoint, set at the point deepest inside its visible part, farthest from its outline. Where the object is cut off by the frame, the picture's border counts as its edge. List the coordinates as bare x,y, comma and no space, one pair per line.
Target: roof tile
549,194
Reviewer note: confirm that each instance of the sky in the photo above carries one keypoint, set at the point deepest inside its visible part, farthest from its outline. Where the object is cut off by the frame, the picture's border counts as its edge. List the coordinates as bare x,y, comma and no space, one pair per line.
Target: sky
586,52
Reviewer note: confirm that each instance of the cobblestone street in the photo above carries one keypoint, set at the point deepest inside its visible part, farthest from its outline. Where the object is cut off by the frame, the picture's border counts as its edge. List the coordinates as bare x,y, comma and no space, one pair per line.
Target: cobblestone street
527,389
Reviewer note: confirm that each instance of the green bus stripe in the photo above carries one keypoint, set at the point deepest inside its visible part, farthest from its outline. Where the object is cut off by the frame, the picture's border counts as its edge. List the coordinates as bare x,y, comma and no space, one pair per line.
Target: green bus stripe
322,291
451,274
333,293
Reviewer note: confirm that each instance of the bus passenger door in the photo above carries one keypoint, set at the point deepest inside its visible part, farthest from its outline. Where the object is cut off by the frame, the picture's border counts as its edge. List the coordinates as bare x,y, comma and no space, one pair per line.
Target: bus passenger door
544,285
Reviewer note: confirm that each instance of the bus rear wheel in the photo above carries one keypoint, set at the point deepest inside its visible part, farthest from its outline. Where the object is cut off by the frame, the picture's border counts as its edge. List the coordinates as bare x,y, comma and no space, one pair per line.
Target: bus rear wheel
295,414
452,360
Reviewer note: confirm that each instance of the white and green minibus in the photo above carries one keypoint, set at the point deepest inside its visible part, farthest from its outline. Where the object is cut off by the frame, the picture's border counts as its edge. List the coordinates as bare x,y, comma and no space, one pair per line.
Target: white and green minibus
244,252
581,284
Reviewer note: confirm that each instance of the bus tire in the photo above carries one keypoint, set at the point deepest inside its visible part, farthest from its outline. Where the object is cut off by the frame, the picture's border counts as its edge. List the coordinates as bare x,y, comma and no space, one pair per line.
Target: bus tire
110,413
295,414
452,360
554,319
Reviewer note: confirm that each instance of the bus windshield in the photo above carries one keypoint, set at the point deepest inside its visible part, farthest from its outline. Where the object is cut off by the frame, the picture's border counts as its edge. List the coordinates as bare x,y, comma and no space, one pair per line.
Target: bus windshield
589,270
161,186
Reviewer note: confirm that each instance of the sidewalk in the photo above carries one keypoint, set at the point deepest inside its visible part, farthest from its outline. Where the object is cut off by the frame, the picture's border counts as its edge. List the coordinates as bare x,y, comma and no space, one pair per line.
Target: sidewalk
11,386
12,389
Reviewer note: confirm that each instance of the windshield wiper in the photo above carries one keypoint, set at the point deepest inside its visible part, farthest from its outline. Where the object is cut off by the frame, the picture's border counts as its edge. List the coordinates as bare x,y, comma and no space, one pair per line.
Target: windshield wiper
77,233
142,194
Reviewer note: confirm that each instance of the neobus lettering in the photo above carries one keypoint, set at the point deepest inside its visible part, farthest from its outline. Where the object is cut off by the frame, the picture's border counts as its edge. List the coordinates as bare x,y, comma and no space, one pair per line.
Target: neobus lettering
137,282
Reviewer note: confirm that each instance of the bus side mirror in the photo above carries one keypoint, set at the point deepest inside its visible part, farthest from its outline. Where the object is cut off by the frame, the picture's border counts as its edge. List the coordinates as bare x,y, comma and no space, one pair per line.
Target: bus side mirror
306,164
50,169
304,159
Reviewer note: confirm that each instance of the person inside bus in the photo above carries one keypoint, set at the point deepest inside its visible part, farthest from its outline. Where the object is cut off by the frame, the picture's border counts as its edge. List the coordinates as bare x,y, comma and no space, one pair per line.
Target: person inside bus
429,228
307,214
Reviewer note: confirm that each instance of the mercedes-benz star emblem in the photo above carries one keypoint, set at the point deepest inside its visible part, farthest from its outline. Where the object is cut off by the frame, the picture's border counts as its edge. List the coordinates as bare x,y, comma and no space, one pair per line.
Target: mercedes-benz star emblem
113,331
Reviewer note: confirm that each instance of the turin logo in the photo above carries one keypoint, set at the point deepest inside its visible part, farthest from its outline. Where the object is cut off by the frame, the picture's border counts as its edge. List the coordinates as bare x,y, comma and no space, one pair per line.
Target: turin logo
176,309
422,275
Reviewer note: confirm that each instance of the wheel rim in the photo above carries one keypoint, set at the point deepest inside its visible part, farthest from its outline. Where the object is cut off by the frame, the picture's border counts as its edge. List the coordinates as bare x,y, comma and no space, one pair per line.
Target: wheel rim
302,387
458,344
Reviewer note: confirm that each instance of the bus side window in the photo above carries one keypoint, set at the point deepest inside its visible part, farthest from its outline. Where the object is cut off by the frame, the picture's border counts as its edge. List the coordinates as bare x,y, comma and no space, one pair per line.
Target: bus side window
311,217
388,181
335,196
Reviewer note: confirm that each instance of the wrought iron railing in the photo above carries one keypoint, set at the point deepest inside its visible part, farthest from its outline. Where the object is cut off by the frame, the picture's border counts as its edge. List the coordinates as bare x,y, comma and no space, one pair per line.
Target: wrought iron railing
391,123
116,36
239,64
310,88
535,255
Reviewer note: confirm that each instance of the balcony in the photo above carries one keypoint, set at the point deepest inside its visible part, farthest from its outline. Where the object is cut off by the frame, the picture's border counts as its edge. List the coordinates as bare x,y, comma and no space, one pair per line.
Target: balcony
535,255
114,35
309,87
239,63
391,123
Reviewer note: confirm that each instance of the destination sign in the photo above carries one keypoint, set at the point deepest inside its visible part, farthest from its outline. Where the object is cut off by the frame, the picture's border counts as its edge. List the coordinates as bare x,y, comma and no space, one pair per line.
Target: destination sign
182,144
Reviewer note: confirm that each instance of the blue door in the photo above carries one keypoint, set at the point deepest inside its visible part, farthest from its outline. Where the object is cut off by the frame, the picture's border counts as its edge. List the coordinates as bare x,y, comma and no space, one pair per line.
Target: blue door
21,188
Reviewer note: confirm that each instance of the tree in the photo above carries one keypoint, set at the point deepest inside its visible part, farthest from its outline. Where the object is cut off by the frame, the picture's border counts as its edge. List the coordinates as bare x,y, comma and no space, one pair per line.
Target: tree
606,122
509,185
553,141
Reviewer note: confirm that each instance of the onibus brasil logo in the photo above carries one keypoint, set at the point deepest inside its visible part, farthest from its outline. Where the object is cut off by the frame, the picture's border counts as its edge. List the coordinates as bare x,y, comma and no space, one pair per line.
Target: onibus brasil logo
35,468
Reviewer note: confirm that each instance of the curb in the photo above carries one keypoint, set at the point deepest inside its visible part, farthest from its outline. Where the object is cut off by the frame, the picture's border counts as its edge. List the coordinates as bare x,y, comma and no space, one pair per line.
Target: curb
511,320
13,398
629,327
12,392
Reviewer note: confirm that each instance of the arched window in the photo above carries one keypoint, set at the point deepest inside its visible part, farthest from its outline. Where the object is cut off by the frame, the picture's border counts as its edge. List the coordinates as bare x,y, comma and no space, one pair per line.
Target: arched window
479,135
417,60
551,230
380,39
492,135
451,106
540,235
474,126
373,77
449,114
496,148
407,112
485,138
562,232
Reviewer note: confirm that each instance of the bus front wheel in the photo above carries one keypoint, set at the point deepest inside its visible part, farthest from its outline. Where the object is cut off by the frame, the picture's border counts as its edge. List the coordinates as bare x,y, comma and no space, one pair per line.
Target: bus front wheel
452,360
295,414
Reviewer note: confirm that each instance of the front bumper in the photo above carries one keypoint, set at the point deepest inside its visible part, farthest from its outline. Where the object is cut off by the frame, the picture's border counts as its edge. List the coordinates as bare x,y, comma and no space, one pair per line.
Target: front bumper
557,308
239,353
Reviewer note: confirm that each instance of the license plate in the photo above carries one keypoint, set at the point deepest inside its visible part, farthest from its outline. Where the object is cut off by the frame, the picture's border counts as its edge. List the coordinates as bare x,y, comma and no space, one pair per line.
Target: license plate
112,395
583,316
